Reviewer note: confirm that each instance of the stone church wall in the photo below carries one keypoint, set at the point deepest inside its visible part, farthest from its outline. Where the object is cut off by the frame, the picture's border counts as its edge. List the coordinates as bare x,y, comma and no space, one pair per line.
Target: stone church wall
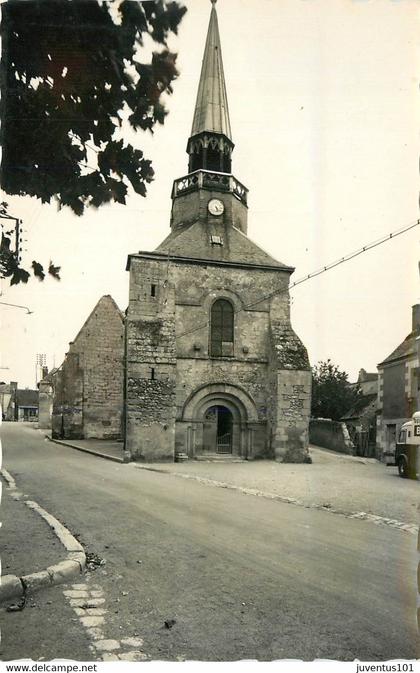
290,388
151,382
88,398
197,286
270,367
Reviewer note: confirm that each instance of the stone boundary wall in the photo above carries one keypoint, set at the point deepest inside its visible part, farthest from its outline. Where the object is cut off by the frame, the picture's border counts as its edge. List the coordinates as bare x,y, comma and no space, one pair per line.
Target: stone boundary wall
330,435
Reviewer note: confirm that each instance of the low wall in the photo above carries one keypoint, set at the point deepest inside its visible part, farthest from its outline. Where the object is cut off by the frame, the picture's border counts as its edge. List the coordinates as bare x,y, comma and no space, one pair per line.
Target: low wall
330,435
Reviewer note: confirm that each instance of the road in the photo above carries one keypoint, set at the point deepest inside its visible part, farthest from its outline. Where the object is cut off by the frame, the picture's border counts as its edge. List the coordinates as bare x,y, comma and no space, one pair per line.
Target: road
243,577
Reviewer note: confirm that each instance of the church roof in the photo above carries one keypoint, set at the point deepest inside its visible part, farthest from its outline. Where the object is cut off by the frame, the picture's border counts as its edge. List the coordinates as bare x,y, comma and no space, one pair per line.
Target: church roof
211,108
235,247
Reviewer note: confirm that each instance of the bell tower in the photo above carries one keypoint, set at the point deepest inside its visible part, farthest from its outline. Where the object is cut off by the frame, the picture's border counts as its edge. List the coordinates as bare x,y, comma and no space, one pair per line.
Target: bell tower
212,362
210,190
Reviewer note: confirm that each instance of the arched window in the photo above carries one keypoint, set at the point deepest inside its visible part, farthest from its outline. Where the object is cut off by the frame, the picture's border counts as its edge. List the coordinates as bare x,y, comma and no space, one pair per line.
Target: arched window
221,328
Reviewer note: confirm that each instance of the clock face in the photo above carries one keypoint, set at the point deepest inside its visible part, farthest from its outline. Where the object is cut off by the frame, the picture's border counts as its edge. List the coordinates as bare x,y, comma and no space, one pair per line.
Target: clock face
216,207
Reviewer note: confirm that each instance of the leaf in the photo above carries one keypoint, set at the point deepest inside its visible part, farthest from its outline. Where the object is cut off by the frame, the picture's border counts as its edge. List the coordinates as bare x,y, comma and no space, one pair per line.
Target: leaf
54,271
19,276
74,117
38,270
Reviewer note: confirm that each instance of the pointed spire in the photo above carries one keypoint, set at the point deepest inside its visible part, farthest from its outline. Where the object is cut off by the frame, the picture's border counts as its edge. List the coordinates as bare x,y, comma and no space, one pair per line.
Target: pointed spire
211,108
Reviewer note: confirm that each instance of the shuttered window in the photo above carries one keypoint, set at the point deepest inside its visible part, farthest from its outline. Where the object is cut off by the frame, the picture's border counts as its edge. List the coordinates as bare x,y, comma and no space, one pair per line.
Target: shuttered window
221,328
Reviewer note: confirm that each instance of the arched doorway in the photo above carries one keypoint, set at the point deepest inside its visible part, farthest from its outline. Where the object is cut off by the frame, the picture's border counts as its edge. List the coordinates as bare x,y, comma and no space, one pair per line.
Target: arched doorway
218,430
218,418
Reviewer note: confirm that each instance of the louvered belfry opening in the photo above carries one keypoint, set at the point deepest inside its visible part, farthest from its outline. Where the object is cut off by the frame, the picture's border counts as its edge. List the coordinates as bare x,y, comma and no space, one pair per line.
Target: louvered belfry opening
210,152
221,329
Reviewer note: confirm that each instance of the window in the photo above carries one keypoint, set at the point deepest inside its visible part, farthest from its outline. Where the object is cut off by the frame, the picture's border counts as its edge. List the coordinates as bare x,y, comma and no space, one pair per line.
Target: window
216,240
153,290
221,328
401,438
152,374
213,159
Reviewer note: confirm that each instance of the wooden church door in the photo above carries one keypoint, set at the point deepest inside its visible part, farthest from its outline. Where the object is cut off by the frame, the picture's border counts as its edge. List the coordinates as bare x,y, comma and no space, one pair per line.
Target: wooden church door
217,430
210,430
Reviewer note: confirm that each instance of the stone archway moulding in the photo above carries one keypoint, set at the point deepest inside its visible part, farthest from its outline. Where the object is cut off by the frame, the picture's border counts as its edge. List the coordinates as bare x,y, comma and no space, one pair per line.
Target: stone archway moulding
218,392
235,407
208,299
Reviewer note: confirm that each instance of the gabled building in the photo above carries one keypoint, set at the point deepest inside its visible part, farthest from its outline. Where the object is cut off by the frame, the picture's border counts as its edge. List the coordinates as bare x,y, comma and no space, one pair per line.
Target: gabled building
367,382
88,387
213,364
361,418
18,404
26,405
398,388
8,400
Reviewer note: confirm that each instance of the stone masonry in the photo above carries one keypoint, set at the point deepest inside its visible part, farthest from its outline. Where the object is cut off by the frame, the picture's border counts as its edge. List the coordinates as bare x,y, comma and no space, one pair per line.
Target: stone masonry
266,380
88,387
213,365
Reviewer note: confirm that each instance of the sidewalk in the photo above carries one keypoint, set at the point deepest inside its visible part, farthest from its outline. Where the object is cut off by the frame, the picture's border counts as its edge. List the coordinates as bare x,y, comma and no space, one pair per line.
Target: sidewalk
103,448
44,627
335,481
28,543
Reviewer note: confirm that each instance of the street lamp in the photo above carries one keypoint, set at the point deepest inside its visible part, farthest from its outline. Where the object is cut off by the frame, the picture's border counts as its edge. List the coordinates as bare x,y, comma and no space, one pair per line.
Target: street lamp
28,311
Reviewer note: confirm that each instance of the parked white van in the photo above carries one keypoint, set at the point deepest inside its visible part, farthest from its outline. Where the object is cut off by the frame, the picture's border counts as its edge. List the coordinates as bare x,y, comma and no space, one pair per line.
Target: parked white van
407,448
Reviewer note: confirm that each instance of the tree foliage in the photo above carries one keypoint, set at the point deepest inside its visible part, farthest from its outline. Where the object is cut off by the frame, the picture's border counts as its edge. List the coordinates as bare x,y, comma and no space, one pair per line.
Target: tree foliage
332,394
70,75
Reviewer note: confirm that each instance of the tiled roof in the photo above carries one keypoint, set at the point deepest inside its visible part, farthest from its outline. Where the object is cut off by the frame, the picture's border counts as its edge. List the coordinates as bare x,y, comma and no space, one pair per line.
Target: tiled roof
370,376
360,406
194,241
406,348
7,388
27,398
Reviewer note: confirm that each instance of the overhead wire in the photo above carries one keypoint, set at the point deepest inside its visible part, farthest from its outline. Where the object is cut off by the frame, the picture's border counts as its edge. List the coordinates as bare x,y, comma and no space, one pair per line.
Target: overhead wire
313,274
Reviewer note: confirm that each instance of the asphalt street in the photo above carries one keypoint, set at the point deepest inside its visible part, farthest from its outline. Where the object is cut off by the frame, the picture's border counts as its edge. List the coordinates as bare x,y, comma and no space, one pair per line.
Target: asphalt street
240,577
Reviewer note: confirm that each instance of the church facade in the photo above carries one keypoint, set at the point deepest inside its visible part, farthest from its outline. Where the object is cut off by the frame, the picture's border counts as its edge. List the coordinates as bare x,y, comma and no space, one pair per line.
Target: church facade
213,366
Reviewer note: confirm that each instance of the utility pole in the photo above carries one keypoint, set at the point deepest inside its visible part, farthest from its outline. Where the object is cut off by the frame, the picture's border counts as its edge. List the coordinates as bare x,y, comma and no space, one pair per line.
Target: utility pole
41,360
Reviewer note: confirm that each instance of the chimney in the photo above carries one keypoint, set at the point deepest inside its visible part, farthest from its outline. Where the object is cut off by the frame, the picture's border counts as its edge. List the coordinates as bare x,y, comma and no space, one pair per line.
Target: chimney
416,318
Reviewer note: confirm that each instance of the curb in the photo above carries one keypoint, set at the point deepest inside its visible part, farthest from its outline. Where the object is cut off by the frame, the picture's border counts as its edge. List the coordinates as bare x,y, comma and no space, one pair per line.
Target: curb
376,519
86,450
12,586
365,460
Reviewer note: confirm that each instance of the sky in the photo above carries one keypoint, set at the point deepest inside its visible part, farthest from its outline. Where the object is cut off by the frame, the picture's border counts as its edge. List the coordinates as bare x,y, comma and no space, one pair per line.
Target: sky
323,100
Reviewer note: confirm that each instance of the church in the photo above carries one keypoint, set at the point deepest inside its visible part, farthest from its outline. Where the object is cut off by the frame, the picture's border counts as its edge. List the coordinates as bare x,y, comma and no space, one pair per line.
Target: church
213,366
